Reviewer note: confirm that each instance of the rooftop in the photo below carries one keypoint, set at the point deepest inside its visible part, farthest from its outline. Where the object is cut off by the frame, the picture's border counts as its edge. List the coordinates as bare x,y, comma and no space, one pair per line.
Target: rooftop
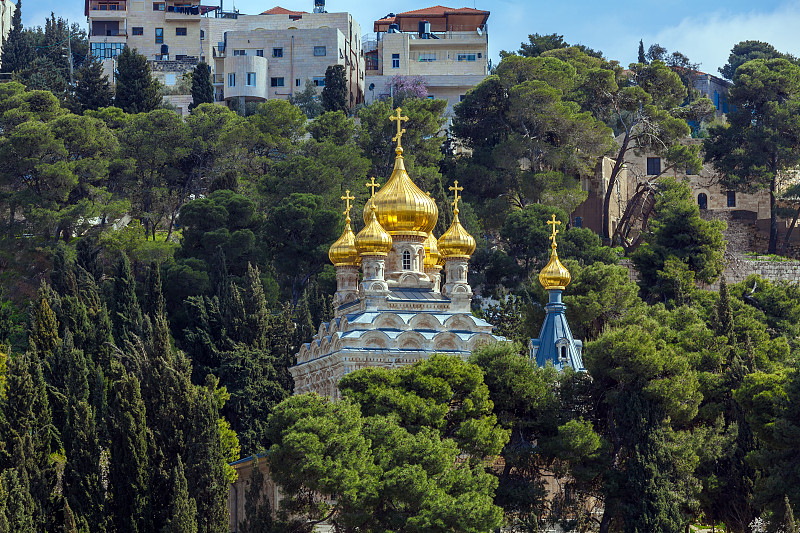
442,19
278,10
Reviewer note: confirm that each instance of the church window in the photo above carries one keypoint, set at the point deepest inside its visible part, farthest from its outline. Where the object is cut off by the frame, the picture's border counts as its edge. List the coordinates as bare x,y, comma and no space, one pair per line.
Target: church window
406,260
564,353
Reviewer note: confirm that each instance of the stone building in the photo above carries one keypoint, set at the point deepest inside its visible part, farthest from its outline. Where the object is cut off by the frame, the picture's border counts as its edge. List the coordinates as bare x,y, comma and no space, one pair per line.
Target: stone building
252,57
7,8
448,48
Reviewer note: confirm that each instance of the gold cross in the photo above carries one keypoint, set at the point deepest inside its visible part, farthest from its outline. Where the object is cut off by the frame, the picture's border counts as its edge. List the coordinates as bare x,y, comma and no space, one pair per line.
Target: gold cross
400,130
347,199
457,189
553,223
373,185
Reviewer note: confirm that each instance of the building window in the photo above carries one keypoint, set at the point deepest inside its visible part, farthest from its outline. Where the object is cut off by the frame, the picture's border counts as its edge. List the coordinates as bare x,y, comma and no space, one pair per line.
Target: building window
320,51
319,81
702,201
159,6
731,198
406,260
578,222
297,82
180,32
159,35
427,57
106,50
431,97
137,30
467,57
276,82
239,53
395,60
653,166
259,53
202,35
278,52
251,79
461,97
232,79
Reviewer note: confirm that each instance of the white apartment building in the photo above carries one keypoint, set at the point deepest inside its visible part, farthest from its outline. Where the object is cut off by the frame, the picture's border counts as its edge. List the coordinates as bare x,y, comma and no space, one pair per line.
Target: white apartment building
252,57
7,8
448,48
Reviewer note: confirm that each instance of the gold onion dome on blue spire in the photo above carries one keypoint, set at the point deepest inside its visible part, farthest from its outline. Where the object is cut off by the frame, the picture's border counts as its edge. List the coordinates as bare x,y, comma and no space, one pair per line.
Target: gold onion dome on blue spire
554,275
456,241
401,207
373,239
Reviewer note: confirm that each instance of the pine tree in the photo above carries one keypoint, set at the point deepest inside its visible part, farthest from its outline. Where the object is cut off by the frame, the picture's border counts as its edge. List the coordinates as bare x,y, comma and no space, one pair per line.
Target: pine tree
92,89
183,509
202,90
642,59
724,313
18,52
126,316
334,94
129,505
137,91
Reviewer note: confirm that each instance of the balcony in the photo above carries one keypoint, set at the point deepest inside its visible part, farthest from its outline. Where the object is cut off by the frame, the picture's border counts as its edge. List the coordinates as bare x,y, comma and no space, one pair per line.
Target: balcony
177,13
110,9
109,33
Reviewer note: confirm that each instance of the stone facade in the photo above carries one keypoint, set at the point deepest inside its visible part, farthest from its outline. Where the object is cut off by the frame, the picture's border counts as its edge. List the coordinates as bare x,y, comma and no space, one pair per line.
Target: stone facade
452,59
178,30
237,491
7,8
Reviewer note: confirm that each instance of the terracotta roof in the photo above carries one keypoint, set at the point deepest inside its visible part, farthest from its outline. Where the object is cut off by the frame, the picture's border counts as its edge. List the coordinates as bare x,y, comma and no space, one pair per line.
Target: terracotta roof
441,10
278,10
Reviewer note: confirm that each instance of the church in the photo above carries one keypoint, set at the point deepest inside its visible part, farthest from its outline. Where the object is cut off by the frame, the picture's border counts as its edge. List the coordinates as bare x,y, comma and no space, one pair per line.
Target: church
391,307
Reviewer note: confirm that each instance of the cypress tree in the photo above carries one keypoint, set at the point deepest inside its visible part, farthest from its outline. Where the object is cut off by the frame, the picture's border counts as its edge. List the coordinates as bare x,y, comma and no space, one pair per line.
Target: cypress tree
153,304
183,509
256,315
202,90
334,94
126,316
83,484
92,89
19,502
642,59
128,507
43,336
257,510
18,51
788,524
137,91
724,312
205,472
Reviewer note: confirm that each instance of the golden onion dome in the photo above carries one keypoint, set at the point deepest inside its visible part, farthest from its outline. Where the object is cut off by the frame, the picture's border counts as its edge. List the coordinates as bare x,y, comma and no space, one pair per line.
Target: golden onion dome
554,275
432,255
402,207
343,252
373,239
456,242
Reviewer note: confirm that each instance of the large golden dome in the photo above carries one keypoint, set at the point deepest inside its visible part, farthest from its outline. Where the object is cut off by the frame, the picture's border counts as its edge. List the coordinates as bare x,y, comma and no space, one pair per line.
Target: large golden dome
343,252
402,208
554,275
373,239
432,254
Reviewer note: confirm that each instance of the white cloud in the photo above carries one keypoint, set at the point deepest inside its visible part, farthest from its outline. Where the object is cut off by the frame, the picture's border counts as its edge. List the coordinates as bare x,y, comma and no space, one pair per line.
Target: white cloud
709,40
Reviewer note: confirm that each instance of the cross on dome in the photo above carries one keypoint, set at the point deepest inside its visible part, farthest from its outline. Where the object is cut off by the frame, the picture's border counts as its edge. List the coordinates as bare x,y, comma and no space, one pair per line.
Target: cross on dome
553,223
400,130
456,189
347,199
372,184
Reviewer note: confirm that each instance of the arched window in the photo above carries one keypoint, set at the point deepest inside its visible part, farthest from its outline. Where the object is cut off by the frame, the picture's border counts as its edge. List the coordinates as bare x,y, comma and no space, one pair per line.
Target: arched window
406,260
702,200
564,353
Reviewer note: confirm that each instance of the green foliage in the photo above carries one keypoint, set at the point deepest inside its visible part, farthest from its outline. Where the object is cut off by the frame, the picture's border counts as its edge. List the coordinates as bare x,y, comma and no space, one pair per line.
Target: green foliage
202,90
681,247
183,508
136,90
257,509
308,100
18,51
745,51
92,90
334,94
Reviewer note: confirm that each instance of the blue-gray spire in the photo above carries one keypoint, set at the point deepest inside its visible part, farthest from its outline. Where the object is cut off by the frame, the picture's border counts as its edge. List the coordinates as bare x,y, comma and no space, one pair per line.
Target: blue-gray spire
555,344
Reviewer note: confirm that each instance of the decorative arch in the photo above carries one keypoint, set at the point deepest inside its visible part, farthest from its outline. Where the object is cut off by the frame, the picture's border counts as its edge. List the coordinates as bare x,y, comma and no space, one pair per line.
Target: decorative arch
702,201
411,340
481,339
446,341
459,323
389,321
375,339
424,321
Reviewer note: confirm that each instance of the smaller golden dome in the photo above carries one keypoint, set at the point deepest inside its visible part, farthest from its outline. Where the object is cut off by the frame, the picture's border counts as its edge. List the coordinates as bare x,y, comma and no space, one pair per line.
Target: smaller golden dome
343,252
554,275
432,255
456,242
373,239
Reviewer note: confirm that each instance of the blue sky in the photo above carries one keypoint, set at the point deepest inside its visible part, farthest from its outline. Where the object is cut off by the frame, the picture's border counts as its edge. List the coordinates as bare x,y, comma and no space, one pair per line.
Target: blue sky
704,31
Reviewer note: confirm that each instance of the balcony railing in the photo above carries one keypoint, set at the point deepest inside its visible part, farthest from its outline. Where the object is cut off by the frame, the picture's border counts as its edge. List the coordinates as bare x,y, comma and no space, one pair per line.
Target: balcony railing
109,33
105,7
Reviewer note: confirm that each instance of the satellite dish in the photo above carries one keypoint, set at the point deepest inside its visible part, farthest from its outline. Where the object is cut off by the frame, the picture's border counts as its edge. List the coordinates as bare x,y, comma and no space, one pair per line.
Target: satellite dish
371,86
480,30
